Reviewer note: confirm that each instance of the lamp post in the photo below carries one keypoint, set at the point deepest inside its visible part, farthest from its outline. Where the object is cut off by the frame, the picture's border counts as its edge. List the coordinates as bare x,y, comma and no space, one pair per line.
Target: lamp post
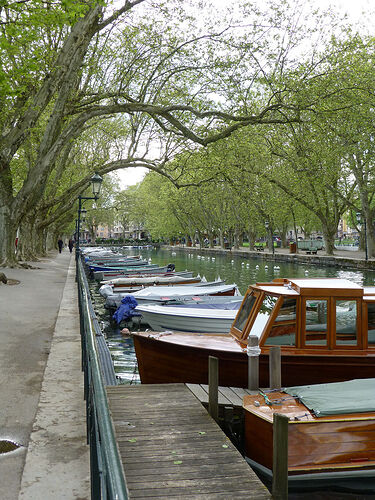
96,184
360,220
267,225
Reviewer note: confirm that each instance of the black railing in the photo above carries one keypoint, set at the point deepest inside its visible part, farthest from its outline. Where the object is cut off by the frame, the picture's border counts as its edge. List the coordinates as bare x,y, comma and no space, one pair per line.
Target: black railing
106,470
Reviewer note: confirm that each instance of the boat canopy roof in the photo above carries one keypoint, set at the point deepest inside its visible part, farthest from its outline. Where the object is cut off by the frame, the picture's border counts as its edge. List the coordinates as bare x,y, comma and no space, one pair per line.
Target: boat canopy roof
337,398
313,286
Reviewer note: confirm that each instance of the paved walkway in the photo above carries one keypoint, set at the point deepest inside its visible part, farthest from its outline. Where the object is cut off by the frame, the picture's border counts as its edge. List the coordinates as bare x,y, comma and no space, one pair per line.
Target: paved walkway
41,384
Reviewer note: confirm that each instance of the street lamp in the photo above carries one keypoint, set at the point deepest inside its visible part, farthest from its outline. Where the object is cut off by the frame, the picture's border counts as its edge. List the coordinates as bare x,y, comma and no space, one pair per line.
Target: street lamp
96,184
360,221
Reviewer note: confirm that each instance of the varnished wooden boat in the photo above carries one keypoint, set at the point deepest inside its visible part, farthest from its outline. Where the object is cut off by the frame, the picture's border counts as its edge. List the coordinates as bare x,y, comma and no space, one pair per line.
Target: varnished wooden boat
325,327
331,434
128,281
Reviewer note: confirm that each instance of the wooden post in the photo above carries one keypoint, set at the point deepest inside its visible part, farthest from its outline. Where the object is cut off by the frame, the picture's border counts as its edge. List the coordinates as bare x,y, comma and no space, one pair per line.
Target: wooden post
213,387
280,457
275,367
253,352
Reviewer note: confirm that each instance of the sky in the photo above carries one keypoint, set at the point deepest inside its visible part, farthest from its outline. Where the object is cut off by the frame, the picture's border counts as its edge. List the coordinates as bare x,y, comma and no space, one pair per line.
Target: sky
356,11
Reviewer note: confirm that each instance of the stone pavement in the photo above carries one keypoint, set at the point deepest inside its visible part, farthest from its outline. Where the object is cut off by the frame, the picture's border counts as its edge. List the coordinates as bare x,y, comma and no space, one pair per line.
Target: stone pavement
41,384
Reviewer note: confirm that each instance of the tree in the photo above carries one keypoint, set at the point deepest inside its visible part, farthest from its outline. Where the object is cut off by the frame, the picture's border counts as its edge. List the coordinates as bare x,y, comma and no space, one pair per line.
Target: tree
99,64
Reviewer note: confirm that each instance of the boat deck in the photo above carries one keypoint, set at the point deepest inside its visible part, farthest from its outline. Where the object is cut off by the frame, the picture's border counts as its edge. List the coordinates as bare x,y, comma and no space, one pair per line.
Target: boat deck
227,396
171,448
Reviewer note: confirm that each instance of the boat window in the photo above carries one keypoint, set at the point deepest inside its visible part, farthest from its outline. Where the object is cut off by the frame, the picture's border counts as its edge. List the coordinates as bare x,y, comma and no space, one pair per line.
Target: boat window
316,322
244,311
263,315
371,323
283,331
346,322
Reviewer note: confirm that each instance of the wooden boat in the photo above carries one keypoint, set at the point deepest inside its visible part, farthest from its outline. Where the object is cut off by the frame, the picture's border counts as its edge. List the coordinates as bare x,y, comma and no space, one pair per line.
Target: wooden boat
325,327
109,275
128,281
212,317
331,434
123,267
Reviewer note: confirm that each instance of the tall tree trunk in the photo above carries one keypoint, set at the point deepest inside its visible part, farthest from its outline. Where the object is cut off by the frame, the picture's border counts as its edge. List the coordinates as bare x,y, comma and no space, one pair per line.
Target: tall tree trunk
329,233
251,235
8,223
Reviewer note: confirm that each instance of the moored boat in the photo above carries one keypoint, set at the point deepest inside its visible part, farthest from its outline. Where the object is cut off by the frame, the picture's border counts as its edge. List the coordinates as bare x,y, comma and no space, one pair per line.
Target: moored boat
123,267
205,317
331,434
128,281
325,328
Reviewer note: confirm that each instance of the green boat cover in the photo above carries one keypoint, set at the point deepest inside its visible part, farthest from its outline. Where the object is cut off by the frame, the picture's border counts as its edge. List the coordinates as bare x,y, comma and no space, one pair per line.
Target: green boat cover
336,398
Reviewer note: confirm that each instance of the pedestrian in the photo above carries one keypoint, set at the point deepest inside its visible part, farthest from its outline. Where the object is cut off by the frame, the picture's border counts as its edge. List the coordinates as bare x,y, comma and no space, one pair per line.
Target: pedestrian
70,245
60,244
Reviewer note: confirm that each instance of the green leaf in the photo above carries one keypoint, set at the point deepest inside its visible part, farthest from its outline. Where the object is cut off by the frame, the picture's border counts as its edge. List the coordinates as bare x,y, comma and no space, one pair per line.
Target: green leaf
132,440
177,462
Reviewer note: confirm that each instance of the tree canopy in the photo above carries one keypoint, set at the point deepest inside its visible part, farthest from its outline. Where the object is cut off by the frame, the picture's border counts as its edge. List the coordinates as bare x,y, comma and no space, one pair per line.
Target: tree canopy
96,87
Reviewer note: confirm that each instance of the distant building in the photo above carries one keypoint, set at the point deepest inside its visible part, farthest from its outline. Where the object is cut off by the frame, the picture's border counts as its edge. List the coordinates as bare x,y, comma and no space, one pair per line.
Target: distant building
133,231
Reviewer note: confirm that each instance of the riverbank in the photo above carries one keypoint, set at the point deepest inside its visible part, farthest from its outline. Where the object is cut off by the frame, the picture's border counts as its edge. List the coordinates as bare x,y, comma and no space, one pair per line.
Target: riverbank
341,258
41,390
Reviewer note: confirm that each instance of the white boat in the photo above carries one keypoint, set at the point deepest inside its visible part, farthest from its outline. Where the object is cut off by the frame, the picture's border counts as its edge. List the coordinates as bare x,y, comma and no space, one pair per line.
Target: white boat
155,294
206,317
171,294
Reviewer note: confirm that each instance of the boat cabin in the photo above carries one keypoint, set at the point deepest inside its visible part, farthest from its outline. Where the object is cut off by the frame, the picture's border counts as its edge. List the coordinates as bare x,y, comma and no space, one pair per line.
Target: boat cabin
309,314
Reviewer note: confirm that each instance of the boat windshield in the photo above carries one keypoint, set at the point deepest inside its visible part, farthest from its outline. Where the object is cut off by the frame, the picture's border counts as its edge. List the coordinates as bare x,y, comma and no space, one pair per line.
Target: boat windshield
283,331
263,315
244,312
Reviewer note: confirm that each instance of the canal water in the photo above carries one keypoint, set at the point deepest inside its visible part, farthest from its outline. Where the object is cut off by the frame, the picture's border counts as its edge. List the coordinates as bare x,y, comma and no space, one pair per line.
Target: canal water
229,268
232,269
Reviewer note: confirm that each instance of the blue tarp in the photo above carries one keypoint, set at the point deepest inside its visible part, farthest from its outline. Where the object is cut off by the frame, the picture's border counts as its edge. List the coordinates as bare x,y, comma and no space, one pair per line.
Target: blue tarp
125,311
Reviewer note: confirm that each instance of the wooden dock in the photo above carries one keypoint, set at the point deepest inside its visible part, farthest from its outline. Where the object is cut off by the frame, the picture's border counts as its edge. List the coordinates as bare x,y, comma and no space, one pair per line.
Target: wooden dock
171,448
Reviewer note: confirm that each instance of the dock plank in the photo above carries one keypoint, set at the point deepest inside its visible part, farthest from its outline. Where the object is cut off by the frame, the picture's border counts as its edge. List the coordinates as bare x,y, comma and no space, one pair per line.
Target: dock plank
171,448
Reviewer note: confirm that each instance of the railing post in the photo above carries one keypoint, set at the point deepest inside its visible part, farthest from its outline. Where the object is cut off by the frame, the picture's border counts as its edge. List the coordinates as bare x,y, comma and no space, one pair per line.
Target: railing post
213,387
253,353
280,457
275,367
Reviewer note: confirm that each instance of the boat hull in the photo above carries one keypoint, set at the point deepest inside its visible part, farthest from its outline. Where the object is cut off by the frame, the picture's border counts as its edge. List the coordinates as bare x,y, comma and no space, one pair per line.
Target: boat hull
164,321
350,481
163,360
335,449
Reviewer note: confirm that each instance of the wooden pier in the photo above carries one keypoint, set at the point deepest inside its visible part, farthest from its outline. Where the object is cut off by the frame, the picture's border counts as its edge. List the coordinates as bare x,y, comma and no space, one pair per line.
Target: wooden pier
171,448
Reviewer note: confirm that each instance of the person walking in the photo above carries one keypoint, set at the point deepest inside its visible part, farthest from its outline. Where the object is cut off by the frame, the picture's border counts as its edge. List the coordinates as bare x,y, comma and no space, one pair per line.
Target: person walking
60,244
70,245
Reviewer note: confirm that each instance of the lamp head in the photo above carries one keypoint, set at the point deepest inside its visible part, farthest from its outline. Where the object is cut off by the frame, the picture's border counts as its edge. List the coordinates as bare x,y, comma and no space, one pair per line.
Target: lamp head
96,182
267,224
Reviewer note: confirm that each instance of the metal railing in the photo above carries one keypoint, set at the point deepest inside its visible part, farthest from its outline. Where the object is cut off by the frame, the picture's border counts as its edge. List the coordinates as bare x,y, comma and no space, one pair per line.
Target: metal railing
106,470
